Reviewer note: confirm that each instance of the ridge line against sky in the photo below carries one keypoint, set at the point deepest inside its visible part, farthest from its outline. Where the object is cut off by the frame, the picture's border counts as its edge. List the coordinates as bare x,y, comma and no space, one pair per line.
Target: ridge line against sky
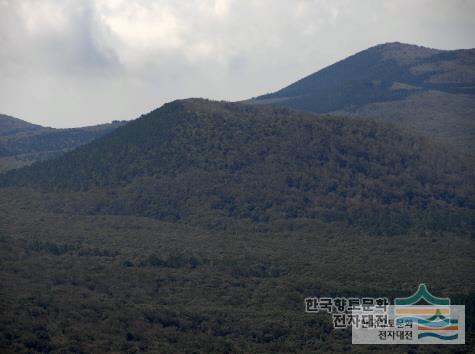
69,63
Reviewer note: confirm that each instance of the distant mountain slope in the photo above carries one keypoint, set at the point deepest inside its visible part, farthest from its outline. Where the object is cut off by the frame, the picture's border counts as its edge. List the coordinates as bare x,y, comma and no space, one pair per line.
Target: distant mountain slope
404,76
10,126
22,143
202,161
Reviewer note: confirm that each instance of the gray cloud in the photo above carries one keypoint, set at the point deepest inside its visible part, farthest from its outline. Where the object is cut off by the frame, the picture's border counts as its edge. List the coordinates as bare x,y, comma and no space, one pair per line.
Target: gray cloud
68,63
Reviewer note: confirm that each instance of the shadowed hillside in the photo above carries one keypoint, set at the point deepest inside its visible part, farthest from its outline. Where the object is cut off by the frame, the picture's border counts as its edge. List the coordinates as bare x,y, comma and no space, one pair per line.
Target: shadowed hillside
22,143
215,163
426,90
11,126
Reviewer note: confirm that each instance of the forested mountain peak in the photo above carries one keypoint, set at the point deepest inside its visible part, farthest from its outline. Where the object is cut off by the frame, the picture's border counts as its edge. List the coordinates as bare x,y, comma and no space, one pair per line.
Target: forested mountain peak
404,52
198,160
429,91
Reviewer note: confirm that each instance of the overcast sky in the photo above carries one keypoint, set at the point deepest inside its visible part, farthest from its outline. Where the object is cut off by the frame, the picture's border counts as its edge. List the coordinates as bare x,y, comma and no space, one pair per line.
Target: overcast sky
67,63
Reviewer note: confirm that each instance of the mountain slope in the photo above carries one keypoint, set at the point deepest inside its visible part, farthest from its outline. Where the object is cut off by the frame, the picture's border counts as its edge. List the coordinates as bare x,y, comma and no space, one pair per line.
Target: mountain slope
126,283
22,143
380,81
210,162
10,126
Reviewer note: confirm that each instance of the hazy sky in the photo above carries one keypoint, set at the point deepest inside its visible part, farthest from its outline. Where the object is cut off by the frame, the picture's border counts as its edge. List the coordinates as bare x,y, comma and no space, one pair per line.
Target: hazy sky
67,63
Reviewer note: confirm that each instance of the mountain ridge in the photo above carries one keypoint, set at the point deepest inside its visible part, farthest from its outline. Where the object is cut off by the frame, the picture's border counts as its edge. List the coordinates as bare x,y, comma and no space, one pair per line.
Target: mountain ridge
207,162
389,76
10,125
22,143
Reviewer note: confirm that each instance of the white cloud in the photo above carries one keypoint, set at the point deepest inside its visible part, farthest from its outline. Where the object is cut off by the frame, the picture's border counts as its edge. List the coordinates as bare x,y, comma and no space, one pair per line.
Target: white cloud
69,62
143,27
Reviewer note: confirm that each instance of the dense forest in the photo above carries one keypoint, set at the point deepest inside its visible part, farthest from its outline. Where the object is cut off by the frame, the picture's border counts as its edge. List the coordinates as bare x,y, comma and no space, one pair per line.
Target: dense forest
219,163
104,283
202,226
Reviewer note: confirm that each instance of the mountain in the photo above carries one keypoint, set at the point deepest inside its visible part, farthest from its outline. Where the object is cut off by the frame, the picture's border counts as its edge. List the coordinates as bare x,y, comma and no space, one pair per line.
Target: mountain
216,163
429,91
203,226
10,126
22,143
